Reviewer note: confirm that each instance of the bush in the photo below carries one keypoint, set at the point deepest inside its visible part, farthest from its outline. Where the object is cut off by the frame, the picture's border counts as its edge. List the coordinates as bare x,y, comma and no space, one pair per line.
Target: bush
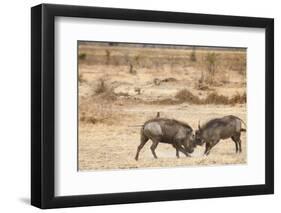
156,81
82,56
193,55
101,88
186,96
109,95
214,98
211,63
238,99
103,92
81,78
107,54
132,70
166,101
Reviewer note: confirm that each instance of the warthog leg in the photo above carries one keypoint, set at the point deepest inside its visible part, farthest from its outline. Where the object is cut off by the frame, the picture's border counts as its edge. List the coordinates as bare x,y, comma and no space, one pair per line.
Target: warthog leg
144,139
153,147
240,148
237,141
236,144
209,146
177,151
181,149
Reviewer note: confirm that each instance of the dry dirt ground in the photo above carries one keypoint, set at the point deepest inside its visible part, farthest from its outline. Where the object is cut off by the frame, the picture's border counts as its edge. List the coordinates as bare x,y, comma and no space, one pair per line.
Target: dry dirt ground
103,146
108,135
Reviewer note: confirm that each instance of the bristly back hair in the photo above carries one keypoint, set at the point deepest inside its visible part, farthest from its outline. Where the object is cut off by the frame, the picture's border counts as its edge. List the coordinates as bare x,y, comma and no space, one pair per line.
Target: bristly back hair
171,121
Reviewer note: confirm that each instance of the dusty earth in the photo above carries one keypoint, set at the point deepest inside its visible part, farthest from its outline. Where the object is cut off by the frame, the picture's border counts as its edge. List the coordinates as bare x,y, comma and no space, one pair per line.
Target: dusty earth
109,116
103,146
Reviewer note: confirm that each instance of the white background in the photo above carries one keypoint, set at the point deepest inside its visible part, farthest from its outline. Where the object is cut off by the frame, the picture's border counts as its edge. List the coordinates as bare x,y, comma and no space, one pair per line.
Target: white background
15,106
70,182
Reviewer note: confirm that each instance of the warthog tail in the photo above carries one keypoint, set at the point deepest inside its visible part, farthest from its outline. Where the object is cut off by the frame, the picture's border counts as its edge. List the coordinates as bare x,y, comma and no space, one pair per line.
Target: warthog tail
243,122
242,130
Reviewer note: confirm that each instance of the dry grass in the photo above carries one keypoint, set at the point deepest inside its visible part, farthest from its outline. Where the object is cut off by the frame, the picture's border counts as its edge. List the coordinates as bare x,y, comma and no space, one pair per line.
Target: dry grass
215,98
238,99
186,96
165,101
95,111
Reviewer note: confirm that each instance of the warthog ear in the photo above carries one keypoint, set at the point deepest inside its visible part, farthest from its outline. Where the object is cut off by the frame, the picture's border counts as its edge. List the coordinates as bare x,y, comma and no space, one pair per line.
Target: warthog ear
199,125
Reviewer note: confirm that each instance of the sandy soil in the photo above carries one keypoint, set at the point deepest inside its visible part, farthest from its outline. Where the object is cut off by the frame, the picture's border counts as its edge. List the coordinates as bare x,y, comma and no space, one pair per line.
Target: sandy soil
113,146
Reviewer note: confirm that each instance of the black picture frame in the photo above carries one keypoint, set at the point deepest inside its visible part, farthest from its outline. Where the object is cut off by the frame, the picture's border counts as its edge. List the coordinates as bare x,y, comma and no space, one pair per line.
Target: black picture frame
43,102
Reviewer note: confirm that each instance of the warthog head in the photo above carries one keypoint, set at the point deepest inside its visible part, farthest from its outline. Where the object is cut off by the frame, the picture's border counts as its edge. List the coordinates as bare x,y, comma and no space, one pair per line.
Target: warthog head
198,136
190,143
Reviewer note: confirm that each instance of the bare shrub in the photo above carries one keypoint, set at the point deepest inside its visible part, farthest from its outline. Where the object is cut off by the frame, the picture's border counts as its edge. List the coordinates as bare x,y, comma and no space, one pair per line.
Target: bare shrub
138,90
107,55
132,70
137,60
104,92
238,63
211,63
156,81
215,98
202,78
193,55
202,86
238,99
109,95
186,96
81,78
82,56
101,88
212,98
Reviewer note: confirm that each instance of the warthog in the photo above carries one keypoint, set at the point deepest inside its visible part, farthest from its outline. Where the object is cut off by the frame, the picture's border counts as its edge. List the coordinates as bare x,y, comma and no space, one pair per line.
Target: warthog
220,128
163,130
